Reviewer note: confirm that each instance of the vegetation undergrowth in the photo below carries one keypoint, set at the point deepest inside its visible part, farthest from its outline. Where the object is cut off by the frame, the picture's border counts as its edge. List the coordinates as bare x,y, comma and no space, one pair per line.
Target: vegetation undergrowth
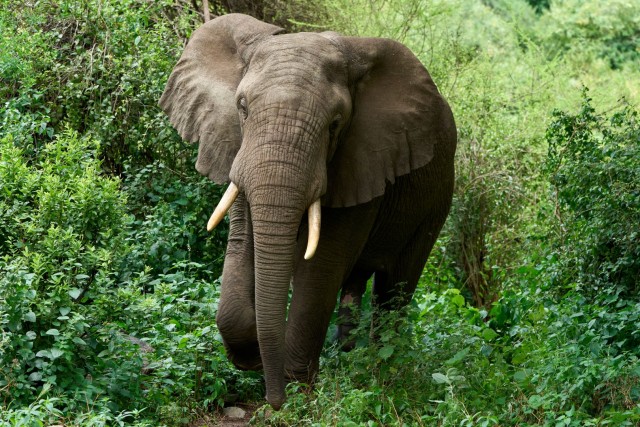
528,312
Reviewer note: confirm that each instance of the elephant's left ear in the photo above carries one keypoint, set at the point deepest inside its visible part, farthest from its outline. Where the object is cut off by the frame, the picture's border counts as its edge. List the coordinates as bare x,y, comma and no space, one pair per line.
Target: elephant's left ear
398,120
199,97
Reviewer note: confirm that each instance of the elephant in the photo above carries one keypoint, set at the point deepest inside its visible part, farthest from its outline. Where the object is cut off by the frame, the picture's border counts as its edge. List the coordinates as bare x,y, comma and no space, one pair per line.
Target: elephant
339,155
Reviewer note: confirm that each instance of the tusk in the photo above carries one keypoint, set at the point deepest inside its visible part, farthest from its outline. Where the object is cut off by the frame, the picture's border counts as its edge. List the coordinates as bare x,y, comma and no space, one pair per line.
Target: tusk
314,229
225,204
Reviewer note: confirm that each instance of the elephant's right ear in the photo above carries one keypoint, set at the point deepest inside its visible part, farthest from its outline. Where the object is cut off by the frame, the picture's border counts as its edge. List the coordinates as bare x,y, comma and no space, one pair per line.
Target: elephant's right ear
200,94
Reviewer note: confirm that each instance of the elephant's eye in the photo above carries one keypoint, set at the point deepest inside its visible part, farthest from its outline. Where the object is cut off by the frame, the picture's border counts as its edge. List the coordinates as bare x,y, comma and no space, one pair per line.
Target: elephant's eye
242,107
334,126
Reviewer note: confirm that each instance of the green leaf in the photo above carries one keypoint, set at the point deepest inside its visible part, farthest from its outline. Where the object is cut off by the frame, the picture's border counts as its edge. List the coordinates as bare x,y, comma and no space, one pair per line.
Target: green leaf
55,353
44,353
35,376
486,350
459,356
183,341
488,334
29,317
75,293
535,401
520,376
440,378
386,352
65,310
458,300
53,332
521,355
79,341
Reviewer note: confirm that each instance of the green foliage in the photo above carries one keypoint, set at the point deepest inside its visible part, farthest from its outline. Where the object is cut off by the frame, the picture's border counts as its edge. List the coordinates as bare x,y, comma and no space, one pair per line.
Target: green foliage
46,411
401,377
531,360
73,244
595,174
293,15
593,30
99,59
61,232
171,211
186,369
70,299
100,69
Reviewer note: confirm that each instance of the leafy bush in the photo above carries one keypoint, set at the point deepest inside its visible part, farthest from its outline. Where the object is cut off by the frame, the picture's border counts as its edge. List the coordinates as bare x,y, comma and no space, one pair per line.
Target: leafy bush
409,375
187,370
533,359
172,209
107,61
71,301
293,15
606,30
595,173
62,234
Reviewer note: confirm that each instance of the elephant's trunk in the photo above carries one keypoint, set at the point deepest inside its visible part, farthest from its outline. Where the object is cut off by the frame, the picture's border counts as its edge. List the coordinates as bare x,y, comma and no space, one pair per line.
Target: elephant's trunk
275,230
282,172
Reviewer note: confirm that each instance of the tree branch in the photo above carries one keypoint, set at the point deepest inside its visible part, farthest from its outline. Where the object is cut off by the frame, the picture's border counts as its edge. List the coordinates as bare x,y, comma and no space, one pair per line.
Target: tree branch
205,7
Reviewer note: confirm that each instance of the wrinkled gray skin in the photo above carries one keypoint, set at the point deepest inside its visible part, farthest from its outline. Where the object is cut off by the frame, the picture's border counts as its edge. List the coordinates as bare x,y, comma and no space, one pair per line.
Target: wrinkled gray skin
290,118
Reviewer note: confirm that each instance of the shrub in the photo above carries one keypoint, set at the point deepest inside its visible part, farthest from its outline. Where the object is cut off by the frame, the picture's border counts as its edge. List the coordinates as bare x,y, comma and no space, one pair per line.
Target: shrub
606,30
187,371
62,234
293,15
77,281
97,67
171,210
594,170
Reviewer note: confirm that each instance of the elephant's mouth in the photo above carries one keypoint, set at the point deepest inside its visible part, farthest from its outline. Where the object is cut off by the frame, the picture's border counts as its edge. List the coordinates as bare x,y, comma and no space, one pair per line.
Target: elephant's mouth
314,218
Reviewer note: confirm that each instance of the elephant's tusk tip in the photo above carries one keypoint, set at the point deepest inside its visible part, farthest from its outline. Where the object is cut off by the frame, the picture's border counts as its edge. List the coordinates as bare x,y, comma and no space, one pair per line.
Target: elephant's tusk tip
225,204
309,254
212,223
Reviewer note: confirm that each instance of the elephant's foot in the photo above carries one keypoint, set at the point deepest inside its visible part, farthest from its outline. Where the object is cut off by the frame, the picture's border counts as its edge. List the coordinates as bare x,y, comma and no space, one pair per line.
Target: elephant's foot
245,357
237,325
347,322
301,373
345,336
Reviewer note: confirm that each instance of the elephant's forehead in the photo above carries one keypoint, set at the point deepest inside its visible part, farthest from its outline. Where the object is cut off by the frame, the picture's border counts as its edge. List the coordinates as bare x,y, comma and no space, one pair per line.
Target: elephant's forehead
299,50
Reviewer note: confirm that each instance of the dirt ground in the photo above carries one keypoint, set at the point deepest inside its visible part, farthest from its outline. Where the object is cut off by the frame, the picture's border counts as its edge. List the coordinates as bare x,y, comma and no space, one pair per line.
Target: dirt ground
218,419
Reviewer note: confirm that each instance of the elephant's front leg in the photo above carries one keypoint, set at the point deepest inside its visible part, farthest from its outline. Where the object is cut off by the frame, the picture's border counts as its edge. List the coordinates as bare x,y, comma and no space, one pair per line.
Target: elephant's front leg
236,316
349,308
316,283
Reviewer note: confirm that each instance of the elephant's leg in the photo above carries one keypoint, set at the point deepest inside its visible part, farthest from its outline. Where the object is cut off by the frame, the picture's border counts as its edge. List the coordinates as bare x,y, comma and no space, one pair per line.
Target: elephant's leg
316,283
394,287
236,316
350,302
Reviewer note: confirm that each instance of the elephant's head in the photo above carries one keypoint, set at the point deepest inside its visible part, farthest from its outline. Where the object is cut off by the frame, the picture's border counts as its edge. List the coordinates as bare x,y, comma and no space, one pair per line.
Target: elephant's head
294,121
